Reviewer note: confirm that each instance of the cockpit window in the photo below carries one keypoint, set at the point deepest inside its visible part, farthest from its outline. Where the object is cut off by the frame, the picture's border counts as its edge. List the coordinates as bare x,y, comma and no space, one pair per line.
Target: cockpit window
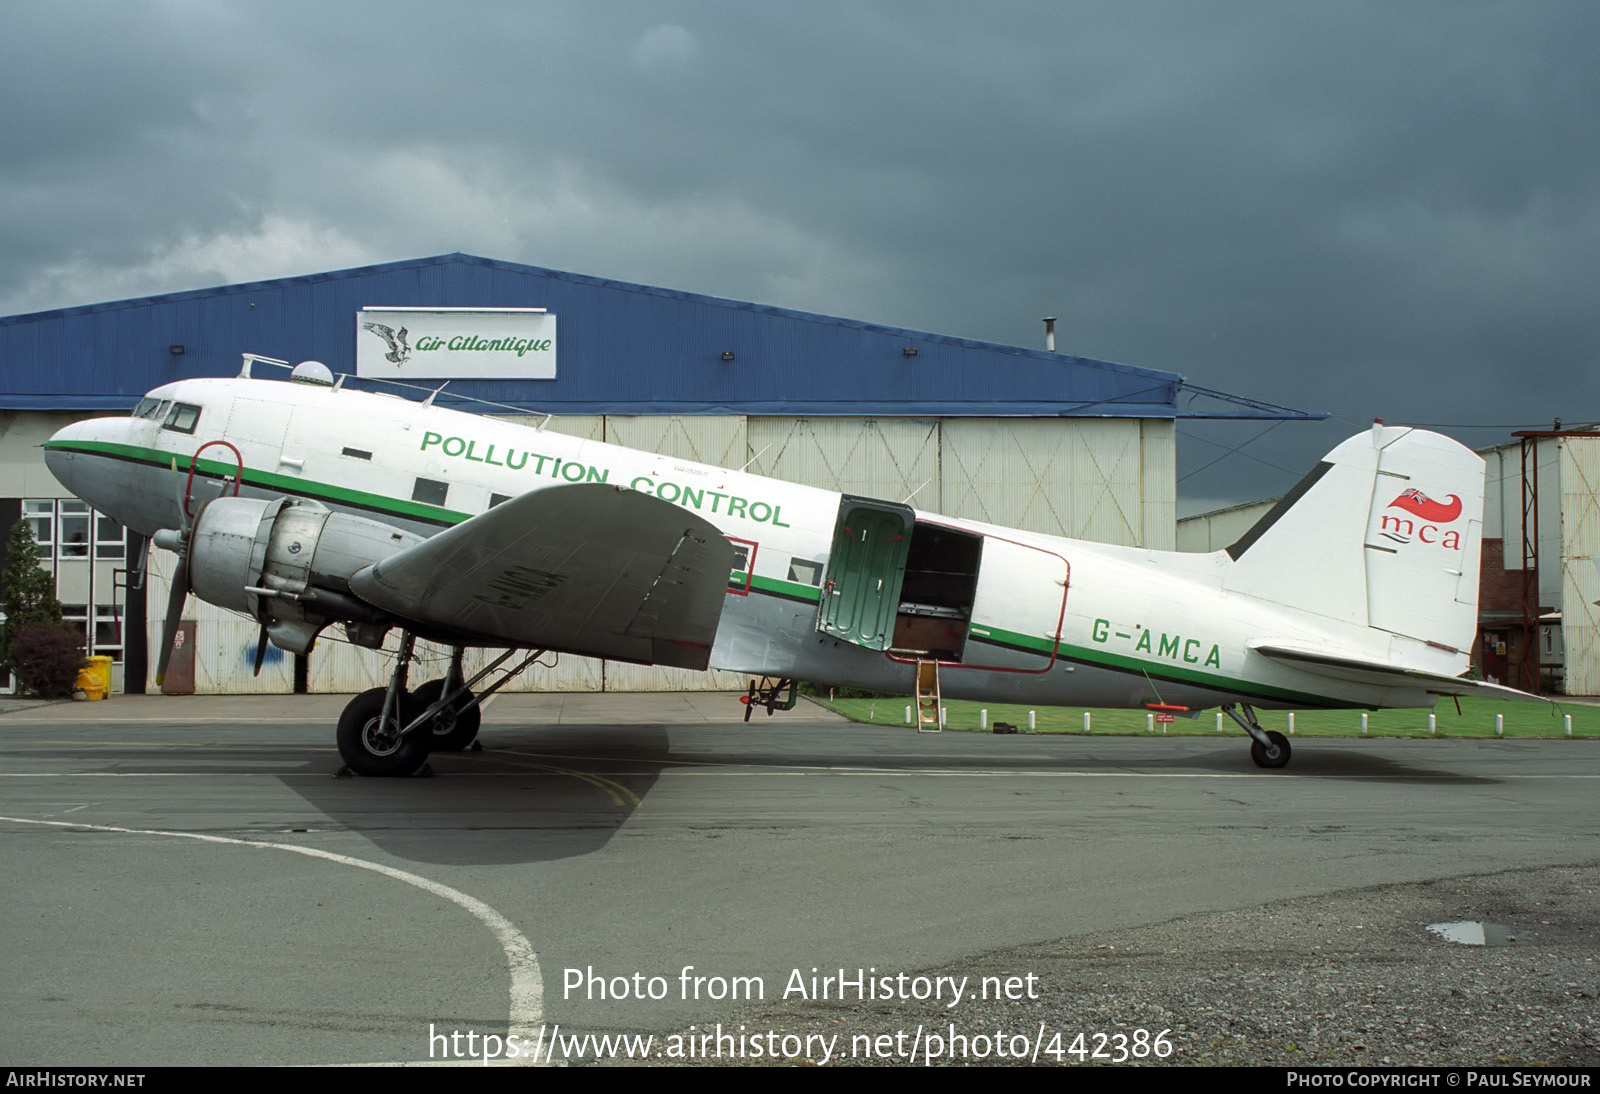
146,408
183,418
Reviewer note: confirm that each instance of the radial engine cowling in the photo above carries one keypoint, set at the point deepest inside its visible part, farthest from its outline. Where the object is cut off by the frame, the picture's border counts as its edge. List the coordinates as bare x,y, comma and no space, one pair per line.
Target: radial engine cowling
287,562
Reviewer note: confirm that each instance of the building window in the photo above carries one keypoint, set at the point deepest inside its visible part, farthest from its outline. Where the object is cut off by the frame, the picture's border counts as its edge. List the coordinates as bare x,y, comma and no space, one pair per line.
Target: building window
107,632
110,540
73,539
74,526
42,515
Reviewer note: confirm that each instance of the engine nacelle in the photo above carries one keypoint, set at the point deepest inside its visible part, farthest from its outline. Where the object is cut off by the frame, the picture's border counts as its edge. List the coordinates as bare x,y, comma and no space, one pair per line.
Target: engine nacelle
287,562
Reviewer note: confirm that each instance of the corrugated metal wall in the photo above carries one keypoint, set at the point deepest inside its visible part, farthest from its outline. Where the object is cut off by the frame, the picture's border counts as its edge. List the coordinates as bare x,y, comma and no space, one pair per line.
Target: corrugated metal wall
1081,478
1580,547
889,458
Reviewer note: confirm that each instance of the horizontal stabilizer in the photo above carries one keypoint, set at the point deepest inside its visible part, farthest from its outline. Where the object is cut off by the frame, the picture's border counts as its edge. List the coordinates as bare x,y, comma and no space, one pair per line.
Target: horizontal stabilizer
1355,669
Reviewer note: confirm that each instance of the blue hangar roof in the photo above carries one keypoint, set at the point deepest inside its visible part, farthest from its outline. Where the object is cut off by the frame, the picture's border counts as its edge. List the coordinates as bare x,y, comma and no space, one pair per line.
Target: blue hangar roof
623,349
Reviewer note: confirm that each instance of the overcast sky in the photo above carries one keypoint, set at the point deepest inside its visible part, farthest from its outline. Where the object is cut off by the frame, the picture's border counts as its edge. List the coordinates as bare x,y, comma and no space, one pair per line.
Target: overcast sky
1385,209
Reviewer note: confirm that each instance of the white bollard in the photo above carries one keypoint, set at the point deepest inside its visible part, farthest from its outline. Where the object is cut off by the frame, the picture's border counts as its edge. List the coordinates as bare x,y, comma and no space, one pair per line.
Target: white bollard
1499,725
1149,723
1085,720
1219,721
1433,723
1363,721
983,718
1032,727
1291,723
1568,720
908,715
942,712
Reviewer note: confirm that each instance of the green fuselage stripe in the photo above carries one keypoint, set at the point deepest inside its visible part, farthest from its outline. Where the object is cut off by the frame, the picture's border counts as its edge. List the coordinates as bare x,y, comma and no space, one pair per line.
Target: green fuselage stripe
267,480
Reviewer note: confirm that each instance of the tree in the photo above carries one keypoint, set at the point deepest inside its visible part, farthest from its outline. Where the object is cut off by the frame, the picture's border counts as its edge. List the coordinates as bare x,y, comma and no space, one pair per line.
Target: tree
29,595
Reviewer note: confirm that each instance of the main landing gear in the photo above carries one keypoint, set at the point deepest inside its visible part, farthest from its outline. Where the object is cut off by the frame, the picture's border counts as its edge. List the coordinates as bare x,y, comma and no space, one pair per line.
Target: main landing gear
1268,748
391,731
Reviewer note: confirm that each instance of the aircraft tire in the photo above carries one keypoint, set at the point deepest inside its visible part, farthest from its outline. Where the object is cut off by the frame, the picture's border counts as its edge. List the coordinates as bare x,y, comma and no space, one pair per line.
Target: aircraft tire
455,729
367,749
1276,756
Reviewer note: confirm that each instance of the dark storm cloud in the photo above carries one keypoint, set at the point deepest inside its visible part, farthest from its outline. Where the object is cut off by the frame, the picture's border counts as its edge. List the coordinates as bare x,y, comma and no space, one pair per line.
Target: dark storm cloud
1364,208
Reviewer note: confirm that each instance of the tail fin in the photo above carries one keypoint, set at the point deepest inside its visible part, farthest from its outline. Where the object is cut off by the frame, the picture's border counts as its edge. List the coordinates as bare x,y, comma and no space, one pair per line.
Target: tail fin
1385,533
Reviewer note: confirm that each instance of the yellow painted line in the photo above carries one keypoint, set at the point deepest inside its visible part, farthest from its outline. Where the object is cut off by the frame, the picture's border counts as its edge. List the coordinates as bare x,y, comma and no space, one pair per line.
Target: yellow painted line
617,791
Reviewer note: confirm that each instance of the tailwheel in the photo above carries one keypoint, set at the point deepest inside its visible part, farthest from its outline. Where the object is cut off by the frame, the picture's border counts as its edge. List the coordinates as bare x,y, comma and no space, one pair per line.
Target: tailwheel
455,726
373,745
1273,754
1268,748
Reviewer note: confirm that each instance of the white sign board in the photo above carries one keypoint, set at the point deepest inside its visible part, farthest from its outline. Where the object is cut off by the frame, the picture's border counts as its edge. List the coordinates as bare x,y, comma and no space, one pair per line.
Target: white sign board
449,343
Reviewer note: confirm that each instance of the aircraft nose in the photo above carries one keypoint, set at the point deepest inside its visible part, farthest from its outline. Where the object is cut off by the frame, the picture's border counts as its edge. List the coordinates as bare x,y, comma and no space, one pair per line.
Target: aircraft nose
71,449
60,453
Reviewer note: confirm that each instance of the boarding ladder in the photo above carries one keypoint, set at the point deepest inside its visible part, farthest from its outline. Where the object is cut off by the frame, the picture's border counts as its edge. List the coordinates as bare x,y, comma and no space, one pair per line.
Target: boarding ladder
928,711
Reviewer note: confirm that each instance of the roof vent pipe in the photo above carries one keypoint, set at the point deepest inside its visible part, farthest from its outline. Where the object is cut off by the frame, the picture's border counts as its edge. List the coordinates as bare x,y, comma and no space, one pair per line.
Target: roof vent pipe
1050,334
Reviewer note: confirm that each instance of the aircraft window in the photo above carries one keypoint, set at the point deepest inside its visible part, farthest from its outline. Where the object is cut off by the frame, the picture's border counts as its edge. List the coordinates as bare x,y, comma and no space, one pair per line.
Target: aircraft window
741,557
430,491
805,571
146,408
498,499
183,418
358,453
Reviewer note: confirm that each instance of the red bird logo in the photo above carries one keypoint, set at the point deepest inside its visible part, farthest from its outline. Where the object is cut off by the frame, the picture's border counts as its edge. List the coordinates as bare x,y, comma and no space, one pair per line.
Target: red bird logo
1437,512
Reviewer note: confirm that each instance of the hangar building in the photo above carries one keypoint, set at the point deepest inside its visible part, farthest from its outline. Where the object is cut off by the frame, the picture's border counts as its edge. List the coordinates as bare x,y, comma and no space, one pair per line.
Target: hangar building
1021,437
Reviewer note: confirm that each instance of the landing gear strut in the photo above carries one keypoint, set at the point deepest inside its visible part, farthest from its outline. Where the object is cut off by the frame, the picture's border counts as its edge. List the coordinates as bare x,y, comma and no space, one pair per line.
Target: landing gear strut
455,723
1268,748
390,731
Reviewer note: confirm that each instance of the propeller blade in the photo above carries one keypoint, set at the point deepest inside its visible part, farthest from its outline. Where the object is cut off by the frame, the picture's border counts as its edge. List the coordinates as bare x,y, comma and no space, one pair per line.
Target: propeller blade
261,649
176,600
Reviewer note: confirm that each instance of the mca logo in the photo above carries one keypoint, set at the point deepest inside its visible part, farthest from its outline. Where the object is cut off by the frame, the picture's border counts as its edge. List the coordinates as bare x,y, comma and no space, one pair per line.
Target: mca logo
1428,514
399,352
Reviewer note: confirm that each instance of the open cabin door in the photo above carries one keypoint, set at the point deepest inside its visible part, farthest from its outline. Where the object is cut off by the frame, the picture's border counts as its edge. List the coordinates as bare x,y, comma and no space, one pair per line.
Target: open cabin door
1020,606
866,568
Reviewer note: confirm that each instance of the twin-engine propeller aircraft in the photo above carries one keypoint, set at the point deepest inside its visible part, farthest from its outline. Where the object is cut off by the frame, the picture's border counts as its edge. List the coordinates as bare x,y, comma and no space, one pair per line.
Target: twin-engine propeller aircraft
379,513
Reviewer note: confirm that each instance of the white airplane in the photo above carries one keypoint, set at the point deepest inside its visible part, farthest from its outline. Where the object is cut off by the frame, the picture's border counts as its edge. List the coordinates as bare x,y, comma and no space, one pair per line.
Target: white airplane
376,512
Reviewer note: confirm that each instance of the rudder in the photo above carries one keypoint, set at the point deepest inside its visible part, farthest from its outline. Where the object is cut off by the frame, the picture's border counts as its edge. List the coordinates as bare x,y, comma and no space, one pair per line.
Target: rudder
1384,533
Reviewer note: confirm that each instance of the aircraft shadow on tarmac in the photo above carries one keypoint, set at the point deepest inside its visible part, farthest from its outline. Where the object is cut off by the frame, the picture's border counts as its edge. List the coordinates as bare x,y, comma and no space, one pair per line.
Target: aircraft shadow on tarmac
530,795
541,793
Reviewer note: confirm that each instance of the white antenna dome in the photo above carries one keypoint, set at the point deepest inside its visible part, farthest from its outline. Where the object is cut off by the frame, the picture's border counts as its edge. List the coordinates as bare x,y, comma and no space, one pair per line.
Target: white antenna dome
312,372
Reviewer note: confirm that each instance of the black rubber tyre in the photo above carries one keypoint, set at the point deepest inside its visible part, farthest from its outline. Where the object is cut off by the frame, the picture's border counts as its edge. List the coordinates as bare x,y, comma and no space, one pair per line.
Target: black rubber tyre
453,729
1276,756
369,748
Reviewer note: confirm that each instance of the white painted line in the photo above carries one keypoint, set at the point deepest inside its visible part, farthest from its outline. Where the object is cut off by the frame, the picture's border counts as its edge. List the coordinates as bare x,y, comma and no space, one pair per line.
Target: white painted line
527,982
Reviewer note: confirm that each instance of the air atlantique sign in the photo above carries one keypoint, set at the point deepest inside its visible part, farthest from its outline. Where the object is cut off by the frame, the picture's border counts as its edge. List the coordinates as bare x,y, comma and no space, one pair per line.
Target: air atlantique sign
446,343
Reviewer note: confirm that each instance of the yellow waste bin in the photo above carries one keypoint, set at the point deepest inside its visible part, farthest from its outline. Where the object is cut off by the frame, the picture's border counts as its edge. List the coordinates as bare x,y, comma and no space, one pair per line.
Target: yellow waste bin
94,680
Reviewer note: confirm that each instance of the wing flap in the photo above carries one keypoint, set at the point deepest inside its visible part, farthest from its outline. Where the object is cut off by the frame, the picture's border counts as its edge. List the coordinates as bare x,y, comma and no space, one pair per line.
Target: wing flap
588,569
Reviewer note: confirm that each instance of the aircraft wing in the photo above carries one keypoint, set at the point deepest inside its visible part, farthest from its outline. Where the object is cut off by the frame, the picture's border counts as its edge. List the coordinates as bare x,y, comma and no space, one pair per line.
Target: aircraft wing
1338,665
589,569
